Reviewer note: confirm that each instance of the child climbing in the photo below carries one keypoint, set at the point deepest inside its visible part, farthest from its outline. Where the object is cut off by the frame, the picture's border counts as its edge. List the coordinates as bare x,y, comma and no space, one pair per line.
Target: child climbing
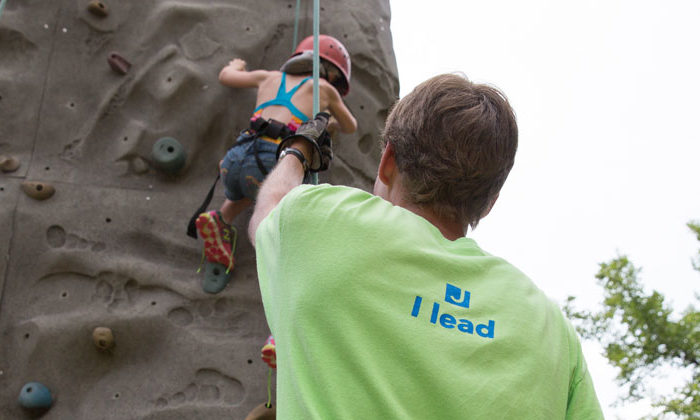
284,102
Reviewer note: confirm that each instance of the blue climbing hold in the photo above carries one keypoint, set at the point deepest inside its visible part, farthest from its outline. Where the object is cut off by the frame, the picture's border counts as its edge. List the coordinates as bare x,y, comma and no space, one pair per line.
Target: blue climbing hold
215,277
35,396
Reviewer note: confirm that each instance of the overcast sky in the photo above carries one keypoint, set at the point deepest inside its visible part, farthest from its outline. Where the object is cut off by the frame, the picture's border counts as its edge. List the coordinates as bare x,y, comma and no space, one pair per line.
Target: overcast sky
605,94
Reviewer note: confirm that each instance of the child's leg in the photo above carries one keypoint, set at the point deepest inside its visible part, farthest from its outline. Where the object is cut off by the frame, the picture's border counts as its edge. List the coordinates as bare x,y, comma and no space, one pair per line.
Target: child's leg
231,209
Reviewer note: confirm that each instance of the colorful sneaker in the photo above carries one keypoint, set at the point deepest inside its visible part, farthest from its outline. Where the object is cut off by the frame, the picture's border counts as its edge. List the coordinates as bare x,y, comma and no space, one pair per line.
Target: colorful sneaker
219,239
269,353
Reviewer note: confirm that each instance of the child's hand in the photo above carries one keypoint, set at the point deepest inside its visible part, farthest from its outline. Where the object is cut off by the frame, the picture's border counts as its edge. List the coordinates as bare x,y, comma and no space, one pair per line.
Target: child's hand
237,64
333,126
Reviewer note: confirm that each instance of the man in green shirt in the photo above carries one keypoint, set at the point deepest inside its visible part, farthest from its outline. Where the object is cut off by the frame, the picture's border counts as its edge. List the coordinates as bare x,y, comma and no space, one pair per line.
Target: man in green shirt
381,307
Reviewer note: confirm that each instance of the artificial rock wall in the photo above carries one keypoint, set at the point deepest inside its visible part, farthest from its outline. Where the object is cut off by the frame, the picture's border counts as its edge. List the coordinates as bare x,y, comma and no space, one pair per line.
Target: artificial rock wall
108,248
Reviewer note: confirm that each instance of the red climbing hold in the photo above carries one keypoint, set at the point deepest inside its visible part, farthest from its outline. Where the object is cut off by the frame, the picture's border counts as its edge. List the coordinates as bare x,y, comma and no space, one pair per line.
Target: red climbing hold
118,63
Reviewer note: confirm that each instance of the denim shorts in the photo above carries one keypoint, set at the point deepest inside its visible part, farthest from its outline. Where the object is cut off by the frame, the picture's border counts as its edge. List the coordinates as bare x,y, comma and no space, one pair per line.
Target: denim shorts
239,169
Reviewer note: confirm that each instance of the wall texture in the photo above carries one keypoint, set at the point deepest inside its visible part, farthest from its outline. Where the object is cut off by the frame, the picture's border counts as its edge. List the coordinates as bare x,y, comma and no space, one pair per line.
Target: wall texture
109,247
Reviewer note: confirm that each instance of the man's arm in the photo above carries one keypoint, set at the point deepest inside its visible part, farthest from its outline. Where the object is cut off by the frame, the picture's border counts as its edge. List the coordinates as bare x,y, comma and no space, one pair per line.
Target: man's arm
288,173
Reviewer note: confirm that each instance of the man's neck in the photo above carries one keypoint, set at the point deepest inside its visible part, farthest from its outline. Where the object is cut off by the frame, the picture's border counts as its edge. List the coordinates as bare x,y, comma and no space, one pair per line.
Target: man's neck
450,230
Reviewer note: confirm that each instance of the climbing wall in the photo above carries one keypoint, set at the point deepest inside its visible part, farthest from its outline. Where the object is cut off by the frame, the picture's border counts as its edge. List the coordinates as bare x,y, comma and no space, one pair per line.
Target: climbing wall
108,247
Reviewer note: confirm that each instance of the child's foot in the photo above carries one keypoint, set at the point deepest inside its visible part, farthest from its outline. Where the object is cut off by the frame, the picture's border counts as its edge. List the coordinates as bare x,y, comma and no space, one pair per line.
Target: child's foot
269,352
219,238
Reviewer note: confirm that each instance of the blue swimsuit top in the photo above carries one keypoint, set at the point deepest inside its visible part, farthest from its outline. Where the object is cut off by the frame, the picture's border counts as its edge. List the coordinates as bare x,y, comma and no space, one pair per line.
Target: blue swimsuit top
284,98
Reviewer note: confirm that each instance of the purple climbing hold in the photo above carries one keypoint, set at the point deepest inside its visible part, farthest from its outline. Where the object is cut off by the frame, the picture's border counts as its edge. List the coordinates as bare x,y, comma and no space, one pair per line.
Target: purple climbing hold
98,8
118,63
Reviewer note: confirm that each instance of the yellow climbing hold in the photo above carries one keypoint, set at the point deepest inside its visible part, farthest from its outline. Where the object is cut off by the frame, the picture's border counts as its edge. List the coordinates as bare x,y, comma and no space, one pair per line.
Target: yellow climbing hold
8,163
103,338
38,190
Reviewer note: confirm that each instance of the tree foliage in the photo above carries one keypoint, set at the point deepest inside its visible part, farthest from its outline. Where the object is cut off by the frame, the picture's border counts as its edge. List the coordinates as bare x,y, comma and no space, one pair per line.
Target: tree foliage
639,334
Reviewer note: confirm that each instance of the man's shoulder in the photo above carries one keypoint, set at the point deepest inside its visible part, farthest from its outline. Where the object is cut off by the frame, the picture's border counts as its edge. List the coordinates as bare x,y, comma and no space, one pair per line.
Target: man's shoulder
305,192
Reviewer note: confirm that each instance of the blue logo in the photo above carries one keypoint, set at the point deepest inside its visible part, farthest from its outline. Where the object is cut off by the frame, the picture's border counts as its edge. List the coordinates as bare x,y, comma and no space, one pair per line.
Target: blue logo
453,295
457,297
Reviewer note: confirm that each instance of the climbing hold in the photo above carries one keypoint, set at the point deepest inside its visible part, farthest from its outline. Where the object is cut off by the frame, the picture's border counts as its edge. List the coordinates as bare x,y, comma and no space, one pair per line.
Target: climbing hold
8,163
118,63
168,155
98,8
103,338
262,412
215,277
269,353
38,190
35,396
138,165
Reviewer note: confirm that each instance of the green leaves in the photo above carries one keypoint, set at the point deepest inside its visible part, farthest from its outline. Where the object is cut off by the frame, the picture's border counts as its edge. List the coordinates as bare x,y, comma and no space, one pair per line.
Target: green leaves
638,334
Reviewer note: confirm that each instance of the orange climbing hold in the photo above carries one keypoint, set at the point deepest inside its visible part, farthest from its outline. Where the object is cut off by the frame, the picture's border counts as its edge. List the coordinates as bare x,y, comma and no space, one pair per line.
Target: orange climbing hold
262,412
98,8
268,353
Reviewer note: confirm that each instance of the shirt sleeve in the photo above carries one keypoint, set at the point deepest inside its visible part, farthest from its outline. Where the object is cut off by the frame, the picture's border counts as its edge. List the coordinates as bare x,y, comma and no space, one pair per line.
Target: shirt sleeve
583,403
270,257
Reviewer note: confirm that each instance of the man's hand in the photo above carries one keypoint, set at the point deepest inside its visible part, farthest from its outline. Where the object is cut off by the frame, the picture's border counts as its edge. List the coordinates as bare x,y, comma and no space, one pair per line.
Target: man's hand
314,133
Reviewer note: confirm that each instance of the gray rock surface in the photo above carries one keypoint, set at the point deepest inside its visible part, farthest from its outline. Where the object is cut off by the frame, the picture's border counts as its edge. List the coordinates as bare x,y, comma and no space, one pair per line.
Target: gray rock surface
109,247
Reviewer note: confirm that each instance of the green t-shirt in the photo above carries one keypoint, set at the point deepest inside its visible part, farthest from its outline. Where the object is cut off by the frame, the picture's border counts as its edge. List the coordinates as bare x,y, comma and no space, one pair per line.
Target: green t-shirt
377,316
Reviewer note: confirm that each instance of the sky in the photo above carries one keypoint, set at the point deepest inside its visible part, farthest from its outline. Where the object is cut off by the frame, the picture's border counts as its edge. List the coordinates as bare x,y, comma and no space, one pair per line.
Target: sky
605,93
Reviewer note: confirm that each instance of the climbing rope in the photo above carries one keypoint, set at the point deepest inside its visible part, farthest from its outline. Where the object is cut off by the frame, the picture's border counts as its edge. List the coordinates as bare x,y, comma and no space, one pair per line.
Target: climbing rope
2,6
296,26
317,7
269,353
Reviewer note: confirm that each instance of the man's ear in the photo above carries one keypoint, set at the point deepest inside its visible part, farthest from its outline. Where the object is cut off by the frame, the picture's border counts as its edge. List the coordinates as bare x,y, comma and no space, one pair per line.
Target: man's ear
387,165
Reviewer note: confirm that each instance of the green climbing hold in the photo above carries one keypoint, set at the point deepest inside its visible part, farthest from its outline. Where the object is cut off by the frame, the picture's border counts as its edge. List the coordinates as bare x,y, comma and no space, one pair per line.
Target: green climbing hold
168,155
35,396
215,277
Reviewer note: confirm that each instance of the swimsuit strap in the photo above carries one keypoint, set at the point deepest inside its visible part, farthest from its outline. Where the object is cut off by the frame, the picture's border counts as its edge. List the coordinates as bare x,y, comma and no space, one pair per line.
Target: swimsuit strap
284,98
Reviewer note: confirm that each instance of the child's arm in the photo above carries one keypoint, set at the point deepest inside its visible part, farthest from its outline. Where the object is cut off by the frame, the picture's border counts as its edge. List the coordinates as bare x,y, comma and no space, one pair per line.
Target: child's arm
340,111
235,75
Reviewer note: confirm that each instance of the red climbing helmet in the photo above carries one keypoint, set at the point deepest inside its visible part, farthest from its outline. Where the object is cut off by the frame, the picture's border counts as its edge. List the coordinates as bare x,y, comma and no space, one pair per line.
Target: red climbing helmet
333,51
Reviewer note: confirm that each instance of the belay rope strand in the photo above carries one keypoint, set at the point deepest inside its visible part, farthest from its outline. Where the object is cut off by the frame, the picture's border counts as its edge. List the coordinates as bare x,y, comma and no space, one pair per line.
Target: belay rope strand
316,59
317,6
296,26
269,388
316,106
2,6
